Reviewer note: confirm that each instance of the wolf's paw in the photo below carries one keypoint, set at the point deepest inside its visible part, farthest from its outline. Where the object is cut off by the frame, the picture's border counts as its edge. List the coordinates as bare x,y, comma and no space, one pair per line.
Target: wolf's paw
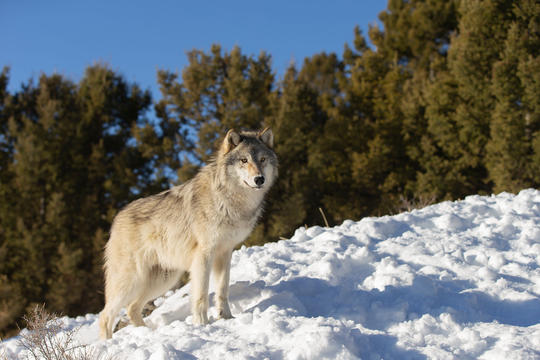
200,319
225,314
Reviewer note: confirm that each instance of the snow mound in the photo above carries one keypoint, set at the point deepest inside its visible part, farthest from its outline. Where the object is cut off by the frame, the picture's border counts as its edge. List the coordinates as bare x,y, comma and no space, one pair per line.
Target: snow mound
453,280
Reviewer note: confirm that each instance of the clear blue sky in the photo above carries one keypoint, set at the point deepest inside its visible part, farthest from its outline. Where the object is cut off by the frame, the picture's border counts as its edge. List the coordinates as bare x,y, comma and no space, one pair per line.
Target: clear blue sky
138,37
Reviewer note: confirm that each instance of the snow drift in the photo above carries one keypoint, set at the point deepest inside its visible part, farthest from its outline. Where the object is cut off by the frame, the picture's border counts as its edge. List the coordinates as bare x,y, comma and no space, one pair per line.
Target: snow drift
453,280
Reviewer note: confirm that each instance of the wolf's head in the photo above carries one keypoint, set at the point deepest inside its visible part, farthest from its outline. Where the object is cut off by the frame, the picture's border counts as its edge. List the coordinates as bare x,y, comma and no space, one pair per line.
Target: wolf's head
249,158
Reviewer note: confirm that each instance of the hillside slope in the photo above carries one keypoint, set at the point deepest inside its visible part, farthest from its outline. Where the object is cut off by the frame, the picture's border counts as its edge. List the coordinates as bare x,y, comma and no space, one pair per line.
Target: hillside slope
453,280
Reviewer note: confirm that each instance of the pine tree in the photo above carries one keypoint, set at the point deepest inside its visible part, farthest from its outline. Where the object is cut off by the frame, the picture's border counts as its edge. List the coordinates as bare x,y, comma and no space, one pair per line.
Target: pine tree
528,15
515,125
11,298
420,32
6,154
385,93
217,91
444,103
5,147
291,126
75,163
329,139
297,121
373,95
460,103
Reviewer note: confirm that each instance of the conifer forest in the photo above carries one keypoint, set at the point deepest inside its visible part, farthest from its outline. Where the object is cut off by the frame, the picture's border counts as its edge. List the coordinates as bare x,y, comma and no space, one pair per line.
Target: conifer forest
440,102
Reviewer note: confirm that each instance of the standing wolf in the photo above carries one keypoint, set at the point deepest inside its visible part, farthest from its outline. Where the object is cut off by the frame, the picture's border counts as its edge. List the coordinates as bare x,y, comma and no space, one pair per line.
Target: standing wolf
192,227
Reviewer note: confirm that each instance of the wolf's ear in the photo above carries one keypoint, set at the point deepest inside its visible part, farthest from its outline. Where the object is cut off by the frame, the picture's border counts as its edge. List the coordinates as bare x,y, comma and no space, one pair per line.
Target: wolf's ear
232,139
267,137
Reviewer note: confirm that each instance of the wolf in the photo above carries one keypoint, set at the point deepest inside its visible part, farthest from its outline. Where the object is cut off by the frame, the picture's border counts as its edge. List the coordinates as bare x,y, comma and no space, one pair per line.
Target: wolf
191,227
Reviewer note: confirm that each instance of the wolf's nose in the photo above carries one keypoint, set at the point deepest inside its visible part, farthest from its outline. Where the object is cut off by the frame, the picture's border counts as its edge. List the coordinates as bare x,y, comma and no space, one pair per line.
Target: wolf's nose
259,180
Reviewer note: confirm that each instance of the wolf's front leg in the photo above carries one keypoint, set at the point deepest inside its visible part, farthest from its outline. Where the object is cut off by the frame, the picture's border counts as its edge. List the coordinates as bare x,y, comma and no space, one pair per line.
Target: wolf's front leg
222,270
200,277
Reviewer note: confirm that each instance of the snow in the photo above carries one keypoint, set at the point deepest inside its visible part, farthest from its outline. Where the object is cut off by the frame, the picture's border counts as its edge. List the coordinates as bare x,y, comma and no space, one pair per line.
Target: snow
456,280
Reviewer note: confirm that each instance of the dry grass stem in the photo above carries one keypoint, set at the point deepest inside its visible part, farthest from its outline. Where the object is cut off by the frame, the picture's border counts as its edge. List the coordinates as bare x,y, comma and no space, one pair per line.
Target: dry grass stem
324,217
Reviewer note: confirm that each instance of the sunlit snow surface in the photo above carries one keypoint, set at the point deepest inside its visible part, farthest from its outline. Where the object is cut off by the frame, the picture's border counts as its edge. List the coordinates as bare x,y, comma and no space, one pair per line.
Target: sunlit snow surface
456,280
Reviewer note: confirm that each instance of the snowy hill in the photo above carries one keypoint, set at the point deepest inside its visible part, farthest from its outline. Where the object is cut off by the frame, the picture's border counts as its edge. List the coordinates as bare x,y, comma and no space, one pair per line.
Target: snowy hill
456,280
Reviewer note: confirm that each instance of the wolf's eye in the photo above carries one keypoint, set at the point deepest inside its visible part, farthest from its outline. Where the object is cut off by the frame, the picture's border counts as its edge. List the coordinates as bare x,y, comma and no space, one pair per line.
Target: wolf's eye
243,160
263,159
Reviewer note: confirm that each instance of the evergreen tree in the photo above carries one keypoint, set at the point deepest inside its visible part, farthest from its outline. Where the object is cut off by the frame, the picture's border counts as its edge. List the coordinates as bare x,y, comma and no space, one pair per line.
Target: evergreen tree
386,90
298,122
11,298
444,103
6,150
420,33
516,122
35,201
5,146
460,103
378,160
217,92
75,163
291,126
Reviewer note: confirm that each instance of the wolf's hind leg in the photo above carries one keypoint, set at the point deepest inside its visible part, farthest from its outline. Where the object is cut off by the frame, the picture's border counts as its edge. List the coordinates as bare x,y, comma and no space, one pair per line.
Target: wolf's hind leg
121,288
108,316
155,284
134,312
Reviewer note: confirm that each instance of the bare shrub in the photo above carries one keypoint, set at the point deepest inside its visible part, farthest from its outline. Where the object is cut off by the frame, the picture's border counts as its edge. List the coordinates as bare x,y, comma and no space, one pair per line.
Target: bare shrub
46,339
419,202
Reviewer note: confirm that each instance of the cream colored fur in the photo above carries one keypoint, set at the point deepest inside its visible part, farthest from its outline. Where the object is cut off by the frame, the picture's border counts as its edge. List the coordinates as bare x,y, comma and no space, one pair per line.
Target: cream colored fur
192,227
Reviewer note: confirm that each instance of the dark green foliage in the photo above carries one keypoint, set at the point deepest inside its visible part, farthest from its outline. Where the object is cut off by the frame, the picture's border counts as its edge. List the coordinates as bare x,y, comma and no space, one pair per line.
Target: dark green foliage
445,103
298,122
479,137
512,159
460,102
73,163
216,92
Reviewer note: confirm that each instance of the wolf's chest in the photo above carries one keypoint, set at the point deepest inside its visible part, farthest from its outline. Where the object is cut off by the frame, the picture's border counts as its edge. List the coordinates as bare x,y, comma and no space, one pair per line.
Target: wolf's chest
234,220
237,213
229,237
